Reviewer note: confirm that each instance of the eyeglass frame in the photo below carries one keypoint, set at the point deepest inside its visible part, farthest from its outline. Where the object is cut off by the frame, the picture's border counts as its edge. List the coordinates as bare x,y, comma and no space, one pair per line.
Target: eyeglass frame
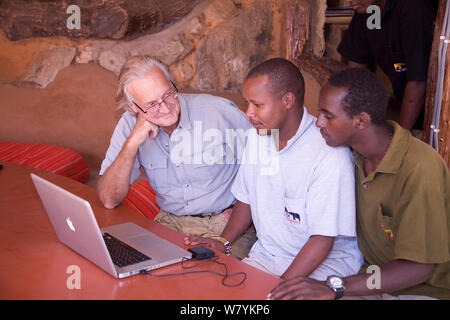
160,101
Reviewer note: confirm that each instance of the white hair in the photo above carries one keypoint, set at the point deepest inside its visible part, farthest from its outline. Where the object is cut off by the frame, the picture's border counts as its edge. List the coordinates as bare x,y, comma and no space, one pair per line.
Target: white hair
135,68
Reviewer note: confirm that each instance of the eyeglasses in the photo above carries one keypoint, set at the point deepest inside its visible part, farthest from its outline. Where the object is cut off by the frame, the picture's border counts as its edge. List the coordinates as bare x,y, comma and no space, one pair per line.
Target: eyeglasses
168,98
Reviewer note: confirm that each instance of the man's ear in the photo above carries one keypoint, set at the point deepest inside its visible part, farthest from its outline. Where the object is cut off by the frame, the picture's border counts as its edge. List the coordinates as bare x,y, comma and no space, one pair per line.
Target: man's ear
133,107
288,100
362,120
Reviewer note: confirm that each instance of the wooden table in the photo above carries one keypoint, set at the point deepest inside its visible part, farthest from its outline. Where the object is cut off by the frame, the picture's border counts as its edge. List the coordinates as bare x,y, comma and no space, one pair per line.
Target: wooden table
34,264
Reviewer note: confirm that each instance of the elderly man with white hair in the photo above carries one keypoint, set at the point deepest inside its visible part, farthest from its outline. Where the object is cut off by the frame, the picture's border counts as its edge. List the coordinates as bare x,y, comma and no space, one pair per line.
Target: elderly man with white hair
182,143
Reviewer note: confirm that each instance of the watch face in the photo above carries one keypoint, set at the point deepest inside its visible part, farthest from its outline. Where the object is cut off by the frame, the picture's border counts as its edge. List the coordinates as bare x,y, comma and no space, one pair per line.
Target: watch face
336,282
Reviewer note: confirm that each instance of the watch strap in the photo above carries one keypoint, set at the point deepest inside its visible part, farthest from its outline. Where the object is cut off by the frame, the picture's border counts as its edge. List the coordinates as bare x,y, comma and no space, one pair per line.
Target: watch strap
227,245
339,292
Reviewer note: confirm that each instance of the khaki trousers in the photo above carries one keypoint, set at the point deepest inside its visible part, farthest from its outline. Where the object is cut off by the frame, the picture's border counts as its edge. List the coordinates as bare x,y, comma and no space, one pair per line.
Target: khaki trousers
208,226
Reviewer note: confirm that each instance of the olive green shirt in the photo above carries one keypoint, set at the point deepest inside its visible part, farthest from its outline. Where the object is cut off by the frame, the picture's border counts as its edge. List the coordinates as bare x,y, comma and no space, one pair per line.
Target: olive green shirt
403,210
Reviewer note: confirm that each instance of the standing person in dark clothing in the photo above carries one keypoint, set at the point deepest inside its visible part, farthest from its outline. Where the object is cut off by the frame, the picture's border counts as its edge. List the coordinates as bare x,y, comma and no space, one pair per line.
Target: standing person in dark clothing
401,48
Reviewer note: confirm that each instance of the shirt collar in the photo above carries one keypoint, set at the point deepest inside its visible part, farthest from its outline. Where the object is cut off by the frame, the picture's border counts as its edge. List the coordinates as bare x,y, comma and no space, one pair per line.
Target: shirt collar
185,122
395,153
307,120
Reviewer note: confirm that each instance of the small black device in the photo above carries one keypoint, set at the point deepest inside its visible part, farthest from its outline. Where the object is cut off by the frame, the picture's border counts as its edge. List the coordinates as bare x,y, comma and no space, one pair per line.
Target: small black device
201,253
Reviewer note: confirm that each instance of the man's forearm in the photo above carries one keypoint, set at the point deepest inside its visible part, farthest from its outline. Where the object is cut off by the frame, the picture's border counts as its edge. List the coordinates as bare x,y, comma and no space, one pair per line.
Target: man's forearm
114,184
315,250
240,221
412,103
394,276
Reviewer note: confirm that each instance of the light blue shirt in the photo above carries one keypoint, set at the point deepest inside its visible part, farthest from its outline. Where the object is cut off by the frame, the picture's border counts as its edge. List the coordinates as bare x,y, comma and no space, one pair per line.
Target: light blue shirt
193,170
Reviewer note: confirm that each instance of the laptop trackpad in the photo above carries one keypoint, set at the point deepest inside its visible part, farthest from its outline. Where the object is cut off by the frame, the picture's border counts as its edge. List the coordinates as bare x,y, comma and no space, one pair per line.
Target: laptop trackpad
152,246
143,241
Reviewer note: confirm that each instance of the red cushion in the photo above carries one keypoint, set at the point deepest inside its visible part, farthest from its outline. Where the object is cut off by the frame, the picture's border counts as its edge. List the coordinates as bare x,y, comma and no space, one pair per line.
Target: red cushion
142,199
62,161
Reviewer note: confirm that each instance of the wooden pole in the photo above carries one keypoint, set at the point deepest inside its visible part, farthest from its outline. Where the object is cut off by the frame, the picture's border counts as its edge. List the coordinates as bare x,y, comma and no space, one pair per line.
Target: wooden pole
433,71
298,40
298,20
444,129
444,124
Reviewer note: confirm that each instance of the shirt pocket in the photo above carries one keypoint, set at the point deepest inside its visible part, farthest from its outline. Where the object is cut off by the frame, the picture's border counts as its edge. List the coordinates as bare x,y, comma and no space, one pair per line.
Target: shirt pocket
156,169
204,174
385,224
295,214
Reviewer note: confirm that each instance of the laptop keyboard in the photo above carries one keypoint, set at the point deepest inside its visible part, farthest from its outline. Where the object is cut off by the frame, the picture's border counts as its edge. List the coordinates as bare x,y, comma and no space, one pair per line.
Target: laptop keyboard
122,254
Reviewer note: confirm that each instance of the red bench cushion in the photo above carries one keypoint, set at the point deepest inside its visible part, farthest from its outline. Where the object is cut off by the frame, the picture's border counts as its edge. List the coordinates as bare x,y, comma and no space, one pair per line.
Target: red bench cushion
142,199
58,160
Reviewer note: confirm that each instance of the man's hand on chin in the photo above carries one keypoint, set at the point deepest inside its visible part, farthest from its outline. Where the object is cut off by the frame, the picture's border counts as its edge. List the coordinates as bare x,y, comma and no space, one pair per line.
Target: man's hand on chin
142,130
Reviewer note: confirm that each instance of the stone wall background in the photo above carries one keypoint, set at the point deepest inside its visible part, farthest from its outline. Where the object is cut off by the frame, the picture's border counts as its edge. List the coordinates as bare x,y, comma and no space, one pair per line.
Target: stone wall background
59,88
209,46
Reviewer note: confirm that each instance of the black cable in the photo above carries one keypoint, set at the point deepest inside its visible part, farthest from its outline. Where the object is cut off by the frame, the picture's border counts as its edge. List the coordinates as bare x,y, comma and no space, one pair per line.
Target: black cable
213,259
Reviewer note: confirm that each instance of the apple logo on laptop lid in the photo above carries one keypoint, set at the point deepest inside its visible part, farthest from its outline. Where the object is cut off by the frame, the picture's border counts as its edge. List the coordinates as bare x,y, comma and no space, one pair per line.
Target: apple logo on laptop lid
70,224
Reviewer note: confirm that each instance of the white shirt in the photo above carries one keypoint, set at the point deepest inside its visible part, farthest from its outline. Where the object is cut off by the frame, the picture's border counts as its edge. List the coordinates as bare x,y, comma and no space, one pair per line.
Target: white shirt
306,189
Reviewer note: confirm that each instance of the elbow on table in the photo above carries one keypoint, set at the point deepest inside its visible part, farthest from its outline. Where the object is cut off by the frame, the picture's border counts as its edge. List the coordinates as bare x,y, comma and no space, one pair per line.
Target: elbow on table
109,205
107,201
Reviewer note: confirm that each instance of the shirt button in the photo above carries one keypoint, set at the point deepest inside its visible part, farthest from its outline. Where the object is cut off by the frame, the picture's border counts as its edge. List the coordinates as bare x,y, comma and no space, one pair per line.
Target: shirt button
187,204
166,144
177,165
186,185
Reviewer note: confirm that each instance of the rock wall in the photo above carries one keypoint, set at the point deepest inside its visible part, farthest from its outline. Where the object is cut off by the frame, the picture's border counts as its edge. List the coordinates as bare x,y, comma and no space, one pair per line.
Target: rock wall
116,19
60,90
211,48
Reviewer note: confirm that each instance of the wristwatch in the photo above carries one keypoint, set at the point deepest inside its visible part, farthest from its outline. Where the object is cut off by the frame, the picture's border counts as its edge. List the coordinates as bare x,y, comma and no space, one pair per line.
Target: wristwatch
227,245
336,284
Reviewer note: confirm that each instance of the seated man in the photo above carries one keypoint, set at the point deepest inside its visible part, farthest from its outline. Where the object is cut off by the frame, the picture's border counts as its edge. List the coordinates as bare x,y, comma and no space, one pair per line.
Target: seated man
297,191
168,134
402,199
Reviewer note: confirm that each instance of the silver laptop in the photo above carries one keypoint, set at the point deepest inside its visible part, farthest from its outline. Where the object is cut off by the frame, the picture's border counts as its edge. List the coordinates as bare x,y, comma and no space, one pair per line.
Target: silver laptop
121,250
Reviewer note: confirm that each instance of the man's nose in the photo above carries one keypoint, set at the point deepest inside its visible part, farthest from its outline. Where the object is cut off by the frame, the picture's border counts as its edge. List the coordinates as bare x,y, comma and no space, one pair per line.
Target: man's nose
164,107
320,123
250,111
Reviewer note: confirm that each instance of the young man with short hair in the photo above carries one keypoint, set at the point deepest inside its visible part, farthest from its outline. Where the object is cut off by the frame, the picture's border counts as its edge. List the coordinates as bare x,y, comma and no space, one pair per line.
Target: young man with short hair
297,191
402,199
